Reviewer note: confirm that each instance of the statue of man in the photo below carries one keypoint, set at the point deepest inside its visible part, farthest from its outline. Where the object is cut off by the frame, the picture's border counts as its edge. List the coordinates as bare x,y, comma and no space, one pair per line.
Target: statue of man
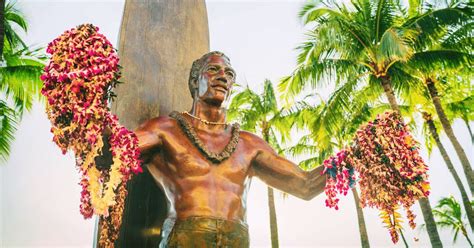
205,165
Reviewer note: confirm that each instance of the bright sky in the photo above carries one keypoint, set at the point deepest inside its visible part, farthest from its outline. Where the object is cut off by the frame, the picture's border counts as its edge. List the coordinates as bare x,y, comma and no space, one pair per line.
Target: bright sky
39,194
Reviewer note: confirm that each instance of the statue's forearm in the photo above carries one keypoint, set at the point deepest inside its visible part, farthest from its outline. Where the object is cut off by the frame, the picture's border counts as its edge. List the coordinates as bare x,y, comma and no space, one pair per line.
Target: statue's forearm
286,176
314,183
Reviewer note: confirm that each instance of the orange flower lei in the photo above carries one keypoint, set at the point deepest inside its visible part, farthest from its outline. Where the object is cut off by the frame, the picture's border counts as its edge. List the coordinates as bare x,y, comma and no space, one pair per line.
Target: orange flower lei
391,172
78,83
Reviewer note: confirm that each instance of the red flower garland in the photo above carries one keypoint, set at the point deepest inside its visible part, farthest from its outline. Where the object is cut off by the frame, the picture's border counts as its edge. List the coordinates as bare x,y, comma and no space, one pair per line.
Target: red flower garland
340,178
77,83
391,171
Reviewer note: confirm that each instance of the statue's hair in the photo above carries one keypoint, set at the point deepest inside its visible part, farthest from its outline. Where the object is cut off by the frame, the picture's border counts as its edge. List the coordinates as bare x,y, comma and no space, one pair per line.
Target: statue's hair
197,67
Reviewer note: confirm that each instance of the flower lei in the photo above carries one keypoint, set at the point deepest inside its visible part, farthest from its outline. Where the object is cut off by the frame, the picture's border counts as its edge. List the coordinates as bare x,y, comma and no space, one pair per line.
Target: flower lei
78,83
340,177
391,171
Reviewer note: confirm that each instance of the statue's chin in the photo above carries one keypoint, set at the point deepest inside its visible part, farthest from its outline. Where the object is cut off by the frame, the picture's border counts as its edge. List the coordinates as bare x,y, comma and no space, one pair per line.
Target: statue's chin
215,101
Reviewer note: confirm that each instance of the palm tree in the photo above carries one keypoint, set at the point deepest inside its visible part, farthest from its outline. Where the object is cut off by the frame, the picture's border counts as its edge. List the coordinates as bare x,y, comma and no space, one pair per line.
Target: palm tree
2,25
9,18
369,43
465,199
449,215
458,97
436,61
330,129
372,43
463,109
20,84
260,112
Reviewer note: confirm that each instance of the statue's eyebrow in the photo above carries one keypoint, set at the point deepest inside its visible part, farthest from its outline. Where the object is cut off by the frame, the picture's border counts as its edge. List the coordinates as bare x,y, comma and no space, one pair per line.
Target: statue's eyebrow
230,69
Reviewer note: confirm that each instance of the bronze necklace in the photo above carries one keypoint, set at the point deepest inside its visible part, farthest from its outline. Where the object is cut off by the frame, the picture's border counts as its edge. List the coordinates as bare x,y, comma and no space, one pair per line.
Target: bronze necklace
215,158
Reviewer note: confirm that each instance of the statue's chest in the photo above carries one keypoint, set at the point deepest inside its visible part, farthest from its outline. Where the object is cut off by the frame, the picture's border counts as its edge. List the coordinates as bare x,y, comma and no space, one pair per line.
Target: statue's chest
186,159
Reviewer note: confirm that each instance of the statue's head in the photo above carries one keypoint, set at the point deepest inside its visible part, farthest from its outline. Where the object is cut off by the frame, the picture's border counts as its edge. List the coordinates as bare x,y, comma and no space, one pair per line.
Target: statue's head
211,77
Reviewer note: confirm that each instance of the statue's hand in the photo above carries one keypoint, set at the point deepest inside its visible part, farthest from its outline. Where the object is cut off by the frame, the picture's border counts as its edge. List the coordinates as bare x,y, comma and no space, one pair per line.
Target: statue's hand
104,161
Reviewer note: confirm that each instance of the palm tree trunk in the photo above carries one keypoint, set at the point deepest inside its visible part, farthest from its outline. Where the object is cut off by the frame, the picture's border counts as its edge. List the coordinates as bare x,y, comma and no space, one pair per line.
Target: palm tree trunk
466,165
387,87
271,200
466,121
2,27
273,219
449,164
364,238
430,222
424,202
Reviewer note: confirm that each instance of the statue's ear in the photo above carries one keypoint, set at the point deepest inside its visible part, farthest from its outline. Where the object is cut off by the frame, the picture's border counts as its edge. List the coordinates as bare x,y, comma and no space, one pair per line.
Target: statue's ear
195,86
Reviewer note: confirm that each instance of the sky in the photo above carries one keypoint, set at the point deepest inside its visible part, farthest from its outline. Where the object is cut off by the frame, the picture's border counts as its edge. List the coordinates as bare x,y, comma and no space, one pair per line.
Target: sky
39,191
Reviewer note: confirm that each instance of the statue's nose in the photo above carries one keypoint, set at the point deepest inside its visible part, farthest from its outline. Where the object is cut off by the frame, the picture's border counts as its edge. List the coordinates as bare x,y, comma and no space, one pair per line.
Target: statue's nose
222,78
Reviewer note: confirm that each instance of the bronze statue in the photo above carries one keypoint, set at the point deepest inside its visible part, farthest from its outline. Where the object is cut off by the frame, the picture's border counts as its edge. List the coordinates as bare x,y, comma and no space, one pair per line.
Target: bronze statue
205,165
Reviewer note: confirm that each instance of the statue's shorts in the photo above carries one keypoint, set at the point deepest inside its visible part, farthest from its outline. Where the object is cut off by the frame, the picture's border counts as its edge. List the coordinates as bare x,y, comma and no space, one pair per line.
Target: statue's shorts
208,232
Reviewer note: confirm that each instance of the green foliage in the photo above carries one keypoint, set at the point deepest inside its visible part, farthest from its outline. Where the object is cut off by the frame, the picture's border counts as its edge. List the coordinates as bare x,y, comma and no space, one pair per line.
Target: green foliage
14,19
20,84
354,45
259,113
357,45
20,76
8,126
449,215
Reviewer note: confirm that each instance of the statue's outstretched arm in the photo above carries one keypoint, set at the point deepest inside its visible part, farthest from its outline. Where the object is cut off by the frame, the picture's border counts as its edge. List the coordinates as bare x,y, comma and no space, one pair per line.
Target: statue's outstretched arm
282,174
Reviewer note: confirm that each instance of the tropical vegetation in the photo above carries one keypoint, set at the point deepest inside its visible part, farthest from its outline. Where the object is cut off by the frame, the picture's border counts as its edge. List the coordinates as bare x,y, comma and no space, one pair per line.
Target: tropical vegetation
20,69
367,49
260,112
448,214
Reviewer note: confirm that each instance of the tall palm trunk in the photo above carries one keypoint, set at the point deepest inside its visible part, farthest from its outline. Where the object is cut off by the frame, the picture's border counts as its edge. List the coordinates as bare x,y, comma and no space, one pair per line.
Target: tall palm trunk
424,202
2,27
466,165
430,222
449,164
466,122
273,220
364,238
271,200
387,87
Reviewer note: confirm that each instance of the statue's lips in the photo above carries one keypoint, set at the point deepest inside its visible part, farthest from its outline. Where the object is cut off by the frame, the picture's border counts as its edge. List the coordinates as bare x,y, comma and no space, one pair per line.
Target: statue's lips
220,88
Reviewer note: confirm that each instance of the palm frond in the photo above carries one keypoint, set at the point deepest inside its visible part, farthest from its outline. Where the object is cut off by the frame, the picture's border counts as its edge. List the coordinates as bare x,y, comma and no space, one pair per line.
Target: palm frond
22,84
8,126
414,7
384,18
460,38
428,138
14,16
434,22
395,45
310,163
269,100
331,70
442,59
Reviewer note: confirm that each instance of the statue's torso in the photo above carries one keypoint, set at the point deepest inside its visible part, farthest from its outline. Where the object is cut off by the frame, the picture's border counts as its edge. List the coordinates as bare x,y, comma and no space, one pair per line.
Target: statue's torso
194,185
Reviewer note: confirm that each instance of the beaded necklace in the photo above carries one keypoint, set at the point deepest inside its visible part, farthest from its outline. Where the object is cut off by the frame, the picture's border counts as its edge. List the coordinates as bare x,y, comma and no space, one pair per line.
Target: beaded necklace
214,157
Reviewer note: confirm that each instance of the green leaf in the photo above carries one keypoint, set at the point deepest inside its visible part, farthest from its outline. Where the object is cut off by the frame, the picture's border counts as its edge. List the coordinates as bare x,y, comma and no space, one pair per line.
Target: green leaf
8,126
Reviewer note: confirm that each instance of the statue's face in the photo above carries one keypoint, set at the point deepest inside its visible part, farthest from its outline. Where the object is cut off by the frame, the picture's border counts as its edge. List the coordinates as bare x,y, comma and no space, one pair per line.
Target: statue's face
216,80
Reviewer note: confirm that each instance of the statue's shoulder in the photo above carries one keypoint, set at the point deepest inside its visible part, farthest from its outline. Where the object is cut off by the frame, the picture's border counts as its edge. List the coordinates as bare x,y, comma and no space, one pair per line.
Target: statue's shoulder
250,138
159,123
254,141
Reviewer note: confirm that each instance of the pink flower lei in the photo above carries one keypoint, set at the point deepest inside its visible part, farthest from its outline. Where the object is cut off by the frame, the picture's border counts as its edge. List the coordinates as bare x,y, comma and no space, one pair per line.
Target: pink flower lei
391,171
78,83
